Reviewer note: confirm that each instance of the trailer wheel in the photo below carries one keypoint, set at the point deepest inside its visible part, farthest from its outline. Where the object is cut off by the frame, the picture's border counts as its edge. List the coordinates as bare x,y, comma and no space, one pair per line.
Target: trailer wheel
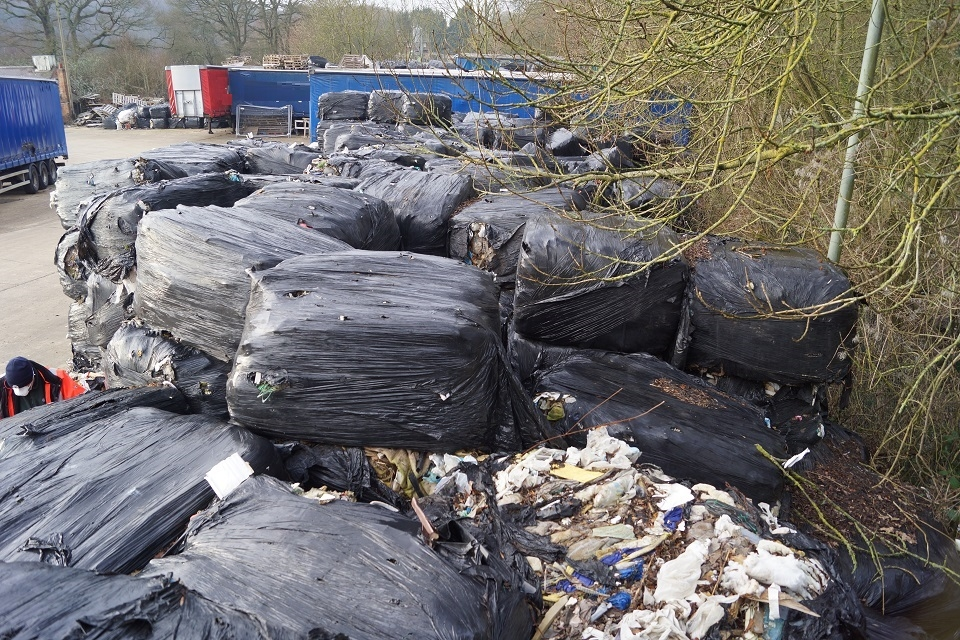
44,175
52,170
34,185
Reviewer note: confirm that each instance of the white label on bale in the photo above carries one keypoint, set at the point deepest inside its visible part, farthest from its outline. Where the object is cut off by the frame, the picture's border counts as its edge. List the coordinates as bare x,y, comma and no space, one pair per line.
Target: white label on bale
228,474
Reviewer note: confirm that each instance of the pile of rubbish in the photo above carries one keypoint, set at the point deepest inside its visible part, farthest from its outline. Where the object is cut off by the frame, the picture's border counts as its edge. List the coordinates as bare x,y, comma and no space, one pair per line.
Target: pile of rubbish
152,115
379,371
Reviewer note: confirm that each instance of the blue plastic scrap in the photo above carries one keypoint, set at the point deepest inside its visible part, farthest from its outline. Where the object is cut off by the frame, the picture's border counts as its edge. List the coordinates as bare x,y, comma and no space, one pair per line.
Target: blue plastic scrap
620,600
672,519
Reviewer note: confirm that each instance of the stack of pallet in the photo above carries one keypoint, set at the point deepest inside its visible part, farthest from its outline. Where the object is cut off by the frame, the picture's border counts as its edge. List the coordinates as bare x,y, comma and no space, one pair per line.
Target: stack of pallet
292,62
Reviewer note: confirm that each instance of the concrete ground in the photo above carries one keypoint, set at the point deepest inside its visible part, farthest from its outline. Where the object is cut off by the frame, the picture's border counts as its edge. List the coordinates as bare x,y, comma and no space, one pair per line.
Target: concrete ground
33,307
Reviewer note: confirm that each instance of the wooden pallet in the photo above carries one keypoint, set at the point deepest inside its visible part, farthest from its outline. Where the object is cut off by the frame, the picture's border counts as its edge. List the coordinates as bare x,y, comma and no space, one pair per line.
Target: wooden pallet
291,62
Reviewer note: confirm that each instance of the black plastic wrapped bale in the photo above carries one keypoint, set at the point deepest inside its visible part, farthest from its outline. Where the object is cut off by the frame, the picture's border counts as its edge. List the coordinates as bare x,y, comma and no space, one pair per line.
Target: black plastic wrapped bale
427,108
353,167
278,159
108,226
34,428
648,195
333,130
402,155
310,570
385,106
423,204
260,181
680,424
343,105
600,285
528,358
160,111
111,608
736,288
110,494
105,308
186,159
385,349
514,133
72,270
138,356
159,123
360,220
77,184
192,267
488,233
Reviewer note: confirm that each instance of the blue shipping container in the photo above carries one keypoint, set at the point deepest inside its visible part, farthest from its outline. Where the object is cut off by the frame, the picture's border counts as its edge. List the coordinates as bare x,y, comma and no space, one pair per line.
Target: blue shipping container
270,88
31,123
470,91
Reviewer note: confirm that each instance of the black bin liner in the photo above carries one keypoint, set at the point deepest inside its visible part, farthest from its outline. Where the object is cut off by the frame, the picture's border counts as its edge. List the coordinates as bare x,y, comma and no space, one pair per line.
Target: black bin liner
138,356
423,204
111,494
385,106
488,233
77,184
427,108
359,219
680,424
191,270
186,159
274,158
108,226
343,105
387,349
734,288
111,607
583,284
309,569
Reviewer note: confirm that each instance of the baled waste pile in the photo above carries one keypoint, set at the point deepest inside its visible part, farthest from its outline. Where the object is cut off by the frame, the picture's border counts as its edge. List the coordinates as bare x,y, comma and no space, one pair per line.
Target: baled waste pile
656,388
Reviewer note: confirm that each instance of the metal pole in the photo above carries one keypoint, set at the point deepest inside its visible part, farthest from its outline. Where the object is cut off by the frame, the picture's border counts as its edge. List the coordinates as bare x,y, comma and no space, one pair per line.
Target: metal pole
865,84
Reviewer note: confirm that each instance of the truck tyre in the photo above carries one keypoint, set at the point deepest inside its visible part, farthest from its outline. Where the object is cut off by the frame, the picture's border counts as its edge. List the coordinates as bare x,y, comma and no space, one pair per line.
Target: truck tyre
52,170
34,176
44,171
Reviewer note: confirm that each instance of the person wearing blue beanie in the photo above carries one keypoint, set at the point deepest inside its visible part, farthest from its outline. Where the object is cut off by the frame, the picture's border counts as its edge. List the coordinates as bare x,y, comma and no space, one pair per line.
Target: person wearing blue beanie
27,384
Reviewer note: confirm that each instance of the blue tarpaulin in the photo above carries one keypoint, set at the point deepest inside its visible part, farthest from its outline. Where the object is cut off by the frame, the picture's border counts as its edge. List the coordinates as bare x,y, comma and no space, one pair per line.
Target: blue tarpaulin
271,88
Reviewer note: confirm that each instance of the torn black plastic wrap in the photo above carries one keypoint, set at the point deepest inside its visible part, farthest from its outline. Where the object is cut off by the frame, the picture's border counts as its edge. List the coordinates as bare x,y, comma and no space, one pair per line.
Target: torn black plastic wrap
112,493
423,204
192,270
737,286
488,233
71,269
319,571
343,105
186,159
138,356
276,158
582,285
111,608
680,424
337,468
360,220
381,349
105,307
108,226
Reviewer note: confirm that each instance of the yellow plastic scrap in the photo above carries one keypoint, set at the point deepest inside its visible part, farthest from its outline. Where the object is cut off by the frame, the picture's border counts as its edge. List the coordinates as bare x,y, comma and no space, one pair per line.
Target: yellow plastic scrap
571,472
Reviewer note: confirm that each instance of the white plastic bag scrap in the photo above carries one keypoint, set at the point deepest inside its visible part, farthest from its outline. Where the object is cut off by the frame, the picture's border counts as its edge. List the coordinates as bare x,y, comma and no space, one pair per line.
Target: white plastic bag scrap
603,452
775,563
646,624
529,471
621,487
709,613
673,495
677,579
709,492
